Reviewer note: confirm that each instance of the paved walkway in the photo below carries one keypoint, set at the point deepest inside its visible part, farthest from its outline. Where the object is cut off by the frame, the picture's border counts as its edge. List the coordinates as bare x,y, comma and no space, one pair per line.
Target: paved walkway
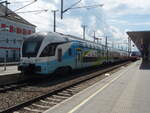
126,91
9,70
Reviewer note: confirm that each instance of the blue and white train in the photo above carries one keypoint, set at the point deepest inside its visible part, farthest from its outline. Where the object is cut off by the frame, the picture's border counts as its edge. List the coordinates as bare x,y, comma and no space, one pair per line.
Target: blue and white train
45,53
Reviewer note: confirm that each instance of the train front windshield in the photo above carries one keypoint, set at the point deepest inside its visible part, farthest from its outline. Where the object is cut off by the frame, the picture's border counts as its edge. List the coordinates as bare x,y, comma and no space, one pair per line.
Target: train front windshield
31,46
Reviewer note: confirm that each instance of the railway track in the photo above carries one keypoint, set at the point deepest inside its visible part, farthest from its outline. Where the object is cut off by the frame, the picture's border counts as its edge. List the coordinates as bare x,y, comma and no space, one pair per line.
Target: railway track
18,84
25,81
59,92
9,87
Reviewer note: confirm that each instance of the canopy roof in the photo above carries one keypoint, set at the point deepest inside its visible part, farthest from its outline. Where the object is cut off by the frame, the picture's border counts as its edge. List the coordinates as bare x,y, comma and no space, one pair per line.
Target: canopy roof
140,38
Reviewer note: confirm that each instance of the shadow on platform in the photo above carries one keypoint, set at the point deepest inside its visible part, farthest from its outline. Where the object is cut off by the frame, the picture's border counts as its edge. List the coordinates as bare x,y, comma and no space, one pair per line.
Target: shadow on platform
145,65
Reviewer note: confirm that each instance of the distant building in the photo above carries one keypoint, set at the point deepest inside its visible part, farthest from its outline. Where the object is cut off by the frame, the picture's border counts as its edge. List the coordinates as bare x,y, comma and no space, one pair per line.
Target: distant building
13,30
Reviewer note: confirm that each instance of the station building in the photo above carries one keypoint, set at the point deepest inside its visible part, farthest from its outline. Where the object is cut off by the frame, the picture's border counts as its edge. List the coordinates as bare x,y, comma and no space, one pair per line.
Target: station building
13,30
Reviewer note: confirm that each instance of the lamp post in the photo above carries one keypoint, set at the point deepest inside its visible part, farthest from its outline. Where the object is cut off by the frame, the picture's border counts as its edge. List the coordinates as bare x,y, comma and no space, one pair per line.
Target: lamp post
106,48
54,28
84,26
94,35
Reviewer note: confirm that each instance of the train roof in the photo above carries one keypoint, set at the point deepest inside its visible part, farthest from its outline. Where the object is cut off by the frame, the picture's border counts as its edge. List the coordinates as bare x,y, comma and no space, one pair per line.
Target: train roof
55,37
51,37
72,38
75,38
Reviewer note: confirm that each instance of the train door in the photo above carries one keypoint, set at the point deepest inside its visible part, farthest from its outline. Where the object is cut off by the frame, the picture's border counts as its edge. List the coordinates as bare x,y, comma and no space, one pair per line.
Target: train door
14,55
78,58
59,58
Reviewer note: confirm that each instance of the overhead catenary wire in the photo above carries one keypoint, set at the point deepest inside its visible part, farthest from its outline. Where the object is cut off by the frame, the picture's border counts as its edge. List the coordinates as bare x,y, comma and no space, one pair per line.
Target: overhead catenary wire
20,2
44,10
25,5
34,11
72,6
79,7
92,6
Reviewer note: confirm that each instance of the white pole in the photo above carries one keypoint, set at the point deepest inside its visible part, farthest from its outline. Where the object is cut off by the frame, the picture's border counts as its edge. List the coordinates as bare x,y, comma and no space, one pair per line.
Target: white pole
5,63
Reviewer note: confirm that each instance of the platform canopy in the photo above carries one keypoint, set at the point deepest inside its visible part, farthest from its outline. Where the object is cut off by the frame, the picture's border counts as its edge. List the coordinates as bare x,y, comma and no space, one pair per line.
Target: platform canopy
141,40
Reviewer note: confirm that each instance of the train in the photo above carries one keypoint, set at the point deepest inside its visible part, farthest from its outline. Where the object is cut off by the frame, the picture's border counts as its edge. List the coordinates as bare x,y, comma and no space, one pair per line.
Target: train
50,52
135,55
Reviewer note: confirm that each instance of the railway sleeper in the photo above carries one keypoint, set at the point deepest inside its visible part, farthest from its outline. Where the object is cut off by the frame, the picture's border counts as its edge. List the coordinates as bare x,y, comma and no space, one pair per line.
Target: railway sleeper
41,106
36,107
68,92
33,110
64,94
59,97
71,90
48,102
53,99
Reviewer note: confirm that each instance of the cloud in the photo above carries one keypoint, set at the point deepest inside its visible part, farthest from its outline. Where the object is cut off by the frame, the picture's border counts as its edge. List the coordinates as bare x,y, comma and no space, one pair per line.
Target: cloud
70,25
100,32
96,19
44,20
124,7
115,35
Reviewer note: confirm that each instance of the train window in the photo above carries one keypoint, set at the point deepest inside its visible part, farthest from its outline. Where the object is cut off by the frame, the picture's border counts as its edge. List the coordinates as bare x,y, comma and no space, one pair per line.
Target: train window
84,45
88,45
31,46
49,50
70,52
7,40
59,55
80,44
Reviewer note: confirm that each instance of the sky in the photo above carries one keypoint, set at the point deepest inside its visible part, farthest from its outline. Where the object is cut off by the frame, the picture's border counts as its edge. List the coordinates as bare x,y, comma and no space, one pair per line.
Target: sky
113,20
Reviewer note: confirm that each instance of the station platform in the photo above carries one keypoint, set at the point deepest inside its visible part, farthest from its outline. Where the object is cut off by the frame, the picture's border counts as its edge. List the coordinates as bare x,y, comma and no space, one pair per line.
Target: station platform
9,70
11,75
126,91
9,63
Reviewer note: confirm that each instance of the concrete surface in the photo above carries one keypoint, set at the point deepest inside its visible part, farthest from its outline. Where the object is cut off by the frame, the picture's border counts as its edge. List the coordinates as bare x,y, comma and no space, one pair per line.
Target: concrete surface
9,70
9,64
126,91
11,75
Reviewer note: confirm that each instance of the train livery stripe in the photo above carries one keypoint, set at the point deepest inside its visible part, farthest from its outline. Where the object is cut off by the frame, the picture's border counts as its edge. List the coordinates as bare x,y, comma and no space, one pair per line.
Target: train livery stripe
12,48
